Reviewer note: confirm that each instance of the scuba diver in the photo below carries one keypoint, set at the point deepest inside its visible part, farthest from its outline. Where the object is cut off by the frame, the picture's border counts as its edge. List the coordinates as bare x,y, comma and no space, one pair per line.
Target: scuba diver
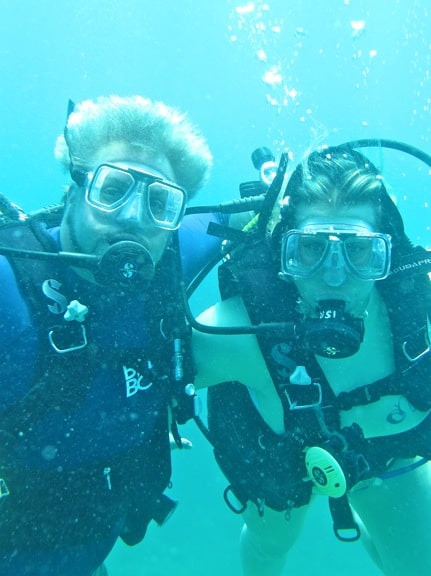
320,349
93,339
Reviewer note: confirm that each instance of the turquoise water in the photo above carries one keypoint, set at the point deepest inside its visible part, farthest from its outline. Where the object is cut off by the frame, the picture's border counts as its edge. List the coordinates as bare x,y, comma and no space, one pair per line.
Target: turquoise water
287,73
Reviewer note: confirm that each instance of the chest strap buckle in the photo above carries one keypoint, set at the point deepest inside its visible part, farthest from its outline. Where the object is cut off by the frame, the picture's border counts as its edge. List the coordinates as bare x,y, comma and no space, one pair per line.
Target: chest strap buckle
67,340
309,393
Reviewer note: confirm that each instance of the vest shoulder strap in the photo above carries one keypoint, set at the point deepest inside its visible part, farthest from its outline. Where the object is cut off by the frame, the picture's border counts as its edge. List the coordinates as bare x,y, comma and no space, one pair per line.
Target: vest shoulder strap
50,383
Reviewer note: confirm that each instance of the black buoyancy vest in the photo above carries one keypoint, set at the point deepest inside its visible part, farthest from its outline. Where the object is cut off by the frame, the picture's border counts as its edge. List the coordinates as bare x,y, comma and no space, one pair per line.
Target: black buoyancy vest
407,294
252,273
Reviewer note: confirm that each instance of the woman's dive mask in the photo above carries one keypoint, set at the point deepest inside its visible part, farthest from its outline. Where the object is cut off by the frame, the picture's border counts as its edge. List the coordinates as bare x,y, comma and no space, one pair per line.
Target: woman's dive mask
364,254
334,250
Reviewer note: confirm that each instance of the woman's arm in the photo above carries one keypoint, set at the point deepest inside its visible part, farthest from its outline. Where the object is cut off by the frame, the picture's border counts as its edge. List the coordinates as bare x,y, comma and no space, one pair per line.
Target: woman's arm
224,358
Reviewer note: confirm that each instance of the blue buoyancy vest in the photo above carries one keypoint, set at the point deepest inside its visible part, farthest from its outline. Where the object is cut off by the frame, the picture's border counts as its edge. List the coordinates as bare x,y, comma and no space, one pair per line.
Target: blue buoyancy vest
84,449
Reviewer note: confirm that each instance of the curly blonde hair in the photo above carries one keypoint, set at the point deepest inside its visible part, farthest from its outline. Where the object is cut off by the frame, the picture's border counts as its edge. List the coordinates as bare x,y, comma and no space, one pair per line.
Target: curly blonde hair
142,124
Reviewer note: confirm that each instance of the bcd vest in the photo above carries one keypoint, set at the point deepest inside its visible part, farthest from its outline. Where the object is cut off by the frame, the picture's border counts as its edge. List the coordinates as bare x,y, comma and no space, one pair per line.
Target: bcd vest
267,468
134,487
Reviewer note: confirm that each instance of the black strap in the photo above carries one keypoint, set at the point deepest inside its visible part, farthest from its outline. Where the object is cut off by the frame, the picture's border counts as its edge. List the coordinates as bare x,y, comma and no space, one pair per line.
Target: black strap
52,388
343,520
411,383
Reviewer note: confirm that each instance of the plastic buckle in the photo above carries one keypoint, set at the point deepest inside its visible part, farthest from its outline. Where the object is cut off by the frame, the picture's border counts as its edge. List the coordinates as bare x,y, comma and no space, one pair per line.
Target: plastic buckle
294,404
302,381
351,534
4,490
236,506
425,331
65,349
414,358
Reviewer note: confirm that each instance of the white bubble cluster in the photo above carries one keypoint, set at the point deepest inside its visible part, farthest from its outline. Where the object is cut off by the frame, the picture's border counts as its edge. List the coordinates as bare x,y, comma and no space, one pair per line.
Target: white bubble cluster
255,23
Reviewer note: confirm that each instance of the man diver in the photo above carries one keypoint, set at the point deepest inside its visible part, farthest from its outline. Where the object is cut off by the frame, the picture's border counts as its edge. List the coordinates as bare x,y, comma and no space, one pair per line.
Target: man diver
90,326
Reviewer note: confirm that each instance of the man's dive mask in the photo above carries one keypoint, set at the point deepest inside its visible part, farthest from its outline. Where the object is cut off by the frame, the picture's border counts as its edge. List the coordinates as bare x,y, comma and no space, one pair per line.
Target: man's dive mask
364,254
116,185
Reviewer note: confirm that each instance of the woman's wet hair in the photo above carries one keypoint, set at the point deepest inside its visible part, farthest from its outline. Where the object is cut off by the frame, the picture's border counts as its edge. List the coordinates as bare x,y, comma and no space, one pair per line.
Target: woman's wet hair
341,177
331,180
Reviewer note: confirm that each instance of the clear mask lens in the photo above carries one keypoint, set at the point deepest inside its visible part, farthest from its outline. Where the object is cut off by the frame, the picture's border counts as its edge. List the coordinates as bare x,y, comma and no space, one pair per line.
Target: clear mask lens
165,204
110,188
367,255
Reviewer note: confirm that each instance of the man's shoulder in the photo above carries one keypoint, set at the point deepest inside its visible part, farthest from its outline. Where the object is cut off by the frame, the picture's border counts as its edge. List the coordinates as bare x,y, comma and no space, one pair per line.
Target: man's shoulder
14,313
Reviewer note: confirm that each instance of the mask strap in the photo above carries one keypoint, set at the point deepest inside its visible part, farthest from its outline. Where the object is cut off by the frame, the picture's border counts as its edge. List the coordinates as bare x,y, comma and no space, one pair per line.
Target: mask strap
78,176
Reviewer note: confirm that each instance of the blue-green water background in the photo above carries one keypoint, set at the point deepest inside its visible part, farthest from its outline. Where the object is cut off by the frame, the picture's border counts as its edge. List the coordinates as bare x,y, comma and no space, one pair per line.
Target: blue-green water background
288,73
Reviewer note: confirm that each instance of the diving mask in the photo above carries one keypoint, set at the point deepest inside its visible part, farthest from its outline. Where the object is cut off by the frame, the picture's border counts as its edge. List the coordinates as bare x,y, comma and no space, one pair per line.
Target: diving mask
365,254
115,185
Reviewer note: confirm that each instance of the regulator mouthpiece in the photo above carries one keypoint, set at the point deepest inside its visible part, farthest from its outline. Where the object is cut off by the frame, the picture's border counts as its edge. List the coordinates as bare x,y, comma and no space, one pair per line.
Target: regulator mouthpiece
334,333
127,265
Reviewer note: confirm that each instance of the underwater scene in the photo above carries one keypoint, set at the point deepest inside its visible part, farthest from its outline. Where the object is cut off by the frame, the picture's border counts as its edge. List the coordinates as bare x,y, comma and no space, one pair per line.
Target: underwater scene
289,75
